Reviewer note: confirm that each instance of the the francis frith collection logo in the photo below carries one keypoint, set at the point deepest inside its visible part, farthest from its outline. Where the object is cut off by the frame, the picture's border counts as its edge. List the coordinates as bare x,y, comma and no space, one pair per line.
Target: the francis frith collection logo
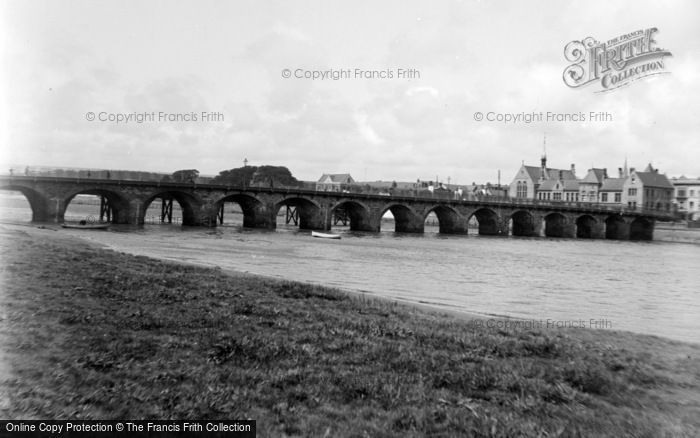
614,63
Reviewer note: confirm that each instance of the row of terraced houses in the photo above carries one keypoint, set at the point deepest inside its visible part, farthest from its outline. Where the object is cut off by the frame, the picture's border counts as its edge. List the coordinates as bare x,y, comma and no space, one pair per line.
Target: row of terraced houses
629,187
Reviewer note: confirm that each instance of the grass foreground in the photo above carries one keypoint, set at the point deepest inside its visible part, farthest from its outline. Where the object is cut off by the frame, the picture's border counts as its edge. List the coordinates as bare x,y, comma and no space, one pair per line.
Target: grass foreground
89,333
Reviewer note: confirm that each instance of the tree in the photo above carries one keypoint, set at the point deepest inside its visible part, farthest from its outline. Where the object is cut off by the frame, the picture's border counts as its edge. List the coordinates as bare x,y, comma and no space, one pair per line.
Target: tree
240,176
274,175
266,176
185,176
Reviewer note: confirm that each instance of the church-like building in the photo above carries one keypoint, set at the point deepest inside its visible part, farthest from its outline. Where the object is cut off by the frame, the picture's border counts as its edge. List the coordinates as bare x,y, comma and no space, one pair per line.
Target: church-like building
529,180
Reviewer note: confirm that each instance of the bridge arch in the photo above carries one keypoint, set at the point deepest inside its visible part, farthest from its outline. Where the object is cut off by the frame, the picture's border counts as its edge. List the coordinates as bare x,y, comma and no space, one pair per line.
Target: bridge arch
586,226
190,205
450,220
488,221
616,227
406,220
117,203
642,228
307,213
556,225
37,202
249,206
354,212
524,224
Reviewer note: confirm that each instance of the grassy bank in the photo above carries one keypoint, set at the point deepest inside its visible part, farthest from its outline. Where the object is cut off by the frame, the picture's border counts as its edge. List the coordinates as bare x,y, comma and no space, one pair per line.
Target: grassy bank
90,333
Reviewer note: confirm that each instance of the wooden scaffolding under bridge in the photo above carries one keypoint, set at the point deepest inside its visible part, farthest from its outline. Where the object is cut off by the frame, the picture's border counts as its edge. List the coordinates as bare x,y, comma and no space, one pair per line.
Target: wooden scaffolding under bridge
105,210
166,209
340,216
292,215
220,213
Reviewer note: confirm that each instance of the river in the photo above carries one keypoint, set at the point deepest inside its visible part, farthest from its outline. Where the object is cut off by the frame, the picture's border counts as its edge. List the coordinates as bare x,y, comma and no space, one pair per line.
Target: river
644,287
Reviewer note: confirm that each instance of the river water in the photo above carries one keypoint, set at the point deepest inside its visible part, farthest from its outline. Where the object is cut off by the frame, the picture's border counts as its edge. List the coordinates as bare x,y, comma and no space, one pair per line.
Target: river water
645,287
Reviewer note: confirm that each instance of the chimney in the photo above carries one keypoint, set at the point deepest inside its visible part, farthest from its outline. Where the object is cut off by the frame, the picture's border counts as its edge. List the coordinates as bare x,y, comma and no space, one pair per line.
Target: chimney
605,172
573,168
619,172
561,174
631,169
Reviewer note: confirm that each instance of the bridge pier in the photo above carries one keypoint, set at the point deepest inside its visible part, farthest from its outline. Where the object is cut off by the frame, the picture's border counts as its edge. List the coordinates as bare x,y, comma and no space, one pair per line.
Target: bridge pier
55,210
558,225
642,229
408,224
617,228
361,221
315,219
598,230
454,227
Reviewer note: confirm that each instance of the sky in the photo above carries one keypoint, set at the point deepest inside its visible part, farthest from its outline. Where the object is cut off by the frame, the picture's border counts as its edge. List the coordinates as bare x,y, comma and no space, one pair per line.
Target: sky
70,68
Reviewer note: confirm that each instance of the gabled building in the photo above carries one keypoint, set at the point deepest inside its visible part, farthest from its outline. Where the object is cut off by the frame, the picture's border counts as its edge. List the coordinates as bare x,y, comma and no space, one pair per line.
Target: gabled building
334,182
527,180
687,197
610,191
590,185
559,189
648,189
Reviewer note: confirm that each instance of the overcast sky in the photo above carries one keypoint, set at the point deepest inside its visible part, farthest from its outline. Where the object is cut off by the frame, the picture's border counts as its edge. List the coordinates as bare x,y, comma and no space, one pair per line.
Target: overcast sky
63,60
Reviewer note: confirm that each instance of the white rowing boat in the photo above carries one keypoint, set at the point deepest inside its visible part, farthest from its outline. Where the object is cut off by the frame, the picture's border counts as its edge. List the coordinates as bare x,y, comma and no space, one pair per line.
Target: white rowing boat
100,226
325,235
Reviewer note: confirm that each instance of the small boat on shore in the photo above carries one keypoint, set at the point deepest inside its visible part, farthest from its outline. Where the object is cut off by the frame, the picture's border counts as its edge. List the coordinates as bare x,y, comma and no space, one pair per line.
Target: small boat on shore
86,226
325,235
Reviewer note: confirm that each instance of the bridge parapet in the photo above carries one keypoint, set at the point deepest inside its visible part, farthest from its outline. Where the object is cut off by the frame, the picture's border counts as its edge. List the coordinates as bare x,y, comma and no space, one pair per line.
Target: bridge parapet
49,197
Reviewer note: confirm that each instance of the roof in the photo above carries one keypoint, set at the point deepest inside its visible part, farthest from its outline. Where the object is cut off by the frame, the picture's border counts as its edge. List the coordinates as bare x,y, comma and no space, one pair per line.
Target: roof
534,173
389,184
547,185
612,185
594,176
683,181
568,185
340,178
654,179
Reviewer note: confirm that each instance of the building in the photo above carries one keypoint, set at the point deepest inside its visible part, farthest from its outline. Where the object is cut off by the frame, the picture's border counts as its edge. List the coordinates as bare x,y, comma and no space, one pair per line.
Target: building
590,185
559,189
647,189
334,182
527,180
686,198
631,189
610,191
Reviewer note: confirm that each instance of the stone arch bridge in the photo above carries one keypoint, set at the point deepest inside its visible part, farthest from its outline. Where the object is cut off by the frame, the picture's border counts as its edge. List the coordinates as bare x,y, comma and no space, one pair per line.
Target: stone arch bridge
126,202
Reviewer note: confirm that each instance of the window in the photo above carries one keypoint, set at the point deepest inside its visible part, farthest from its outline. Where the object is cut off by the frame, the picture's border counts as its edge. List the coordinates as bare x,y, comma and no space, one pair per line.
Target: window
692,193
521,190
557,196
681,193
618,197
692,204
603,197
632,192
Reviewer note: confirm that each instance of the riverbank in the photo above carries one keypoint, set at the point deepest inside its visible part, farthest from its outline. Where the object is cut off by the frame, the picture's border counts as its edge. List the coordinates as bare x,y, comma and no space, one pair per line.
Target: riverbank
92,333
